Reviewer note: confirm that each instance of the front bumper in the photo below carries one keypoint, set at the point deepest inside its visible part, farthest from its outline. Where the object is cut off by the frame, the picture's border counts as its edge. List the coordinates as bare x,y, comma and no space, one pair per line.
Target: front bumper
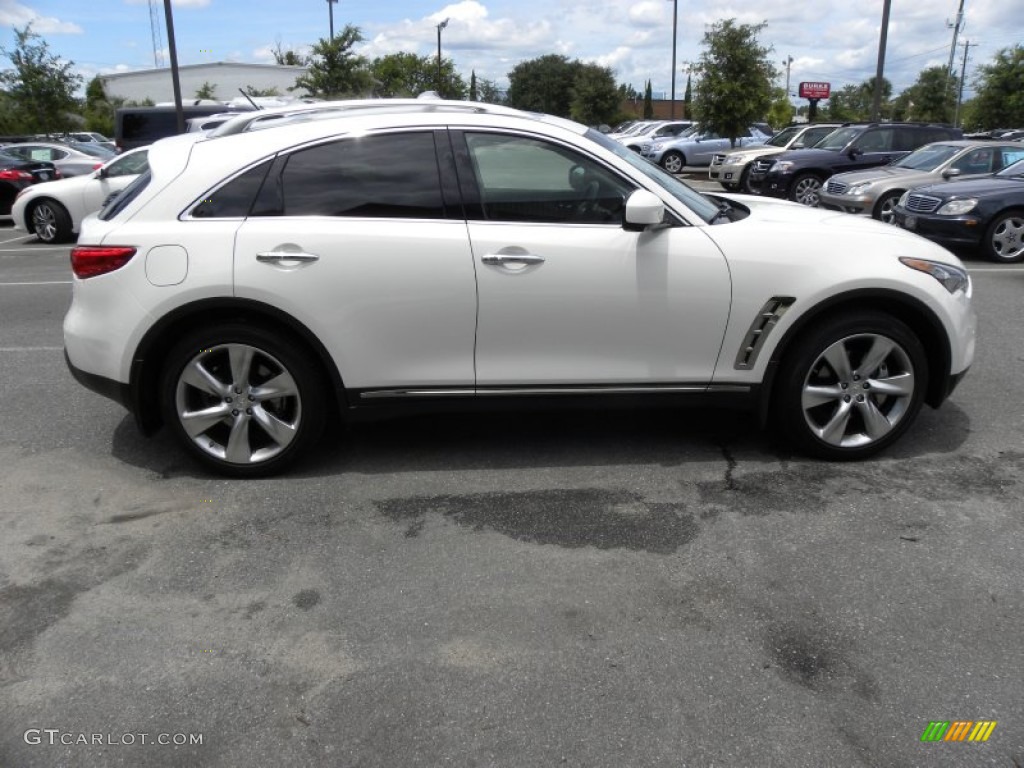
846,203
774,184
962,231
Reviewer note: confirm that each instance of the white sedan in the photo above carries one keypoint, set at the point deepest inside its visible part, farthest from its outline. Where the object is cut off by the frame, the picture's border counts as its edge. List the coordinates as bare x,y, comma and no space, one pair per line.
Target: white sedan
54,210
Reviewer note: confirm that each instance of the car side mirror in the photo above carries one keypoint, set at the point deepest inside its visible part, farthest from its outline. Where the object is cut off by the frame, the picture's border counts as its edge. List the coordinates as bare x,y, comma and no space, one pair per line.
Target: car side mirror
101,173
951,173
643,209
855,152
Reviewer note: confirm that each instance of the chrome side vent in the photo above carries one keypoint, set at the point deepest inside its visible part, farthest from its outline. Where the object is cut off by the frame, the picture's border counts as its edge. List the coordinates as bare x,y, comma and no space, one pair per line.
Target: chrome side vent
763,324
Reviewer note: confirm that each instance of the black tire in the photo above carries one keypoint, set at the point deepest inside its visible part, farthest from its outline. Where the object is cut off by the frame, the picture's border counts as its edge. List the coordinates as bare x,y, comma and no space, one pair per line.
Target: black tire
883,208
806,190
745,186
851,414
673,161
50,221
1004,238
729,186
224,372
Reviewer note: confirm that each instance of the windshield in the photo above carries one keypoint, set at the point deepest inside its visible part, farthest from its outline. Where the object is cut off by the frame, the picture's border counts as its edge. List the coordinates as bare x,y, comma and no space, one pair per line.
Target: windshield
783,137
927,158
838,139
692,199
1017,169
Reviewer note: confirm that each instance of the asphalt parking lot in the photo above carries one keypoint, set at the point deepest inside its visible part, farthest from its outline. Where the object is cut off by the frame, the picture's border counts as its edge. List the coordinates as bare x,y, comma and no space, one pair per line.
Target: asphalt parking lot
582,589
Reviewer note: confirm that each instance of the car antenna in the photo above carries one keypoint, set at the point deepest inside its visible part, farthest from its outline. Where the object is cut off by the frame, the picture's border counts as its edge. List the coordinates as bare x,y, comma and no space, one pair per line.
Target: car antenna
254,104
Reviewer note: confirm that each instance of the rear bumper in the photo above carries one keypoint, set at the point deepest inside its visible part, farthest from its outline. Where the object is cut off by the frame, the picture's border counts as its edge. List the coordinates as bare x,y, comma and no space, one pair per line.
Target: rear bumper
114,390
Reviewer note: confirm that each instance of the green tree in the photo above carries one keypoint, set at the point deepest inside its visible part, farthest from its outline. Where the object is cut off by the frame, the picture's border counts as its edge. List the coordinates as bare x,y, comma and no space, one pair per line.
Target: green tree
288,58
854,102
734,78
999,97
40,88
595,97
406,74
100,109
931,98
780,113
253,91
688,95
543,84
206,91
648,102
473,95
334,70
488,91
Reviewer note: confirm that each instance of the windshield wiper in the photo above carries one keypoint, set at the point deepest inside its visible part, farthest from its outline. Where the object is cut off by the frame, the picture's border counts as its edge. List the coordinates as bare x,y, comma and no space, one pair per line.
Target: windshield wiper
724,209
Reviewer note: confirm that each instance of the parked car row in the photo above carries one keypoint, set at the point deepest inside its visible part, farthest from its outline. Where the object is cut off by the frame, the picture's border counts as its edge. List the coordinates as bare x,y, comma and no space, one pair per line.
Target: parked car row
957,192
697,147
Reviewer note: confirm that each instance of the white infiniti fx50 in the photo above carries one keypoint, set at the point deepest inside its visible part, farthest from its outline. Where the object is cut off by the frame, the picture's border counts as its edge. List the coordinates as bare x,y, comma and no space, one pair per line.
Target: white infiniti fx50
356,258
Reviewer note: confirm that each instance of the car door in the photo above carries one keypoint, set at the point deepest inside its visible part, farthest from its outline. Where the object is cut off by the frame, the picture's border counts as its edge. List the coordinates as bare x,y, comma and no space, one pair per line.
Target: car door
115,176
872,148
567,296
355,238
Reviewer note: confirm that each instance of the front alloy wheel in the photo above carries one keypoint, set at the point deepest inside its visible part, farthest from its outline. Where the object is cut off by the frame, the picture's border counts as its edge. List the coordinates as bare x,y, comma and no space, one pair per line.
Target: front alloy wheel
245,404
853,387
806,190
673,162
1005,237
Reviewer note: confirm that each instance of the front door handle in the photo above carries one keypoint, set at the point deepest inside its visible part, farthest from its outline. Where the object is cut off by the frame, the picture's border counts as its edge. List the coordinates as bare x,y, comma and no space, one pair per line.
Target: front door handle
286,252
501,259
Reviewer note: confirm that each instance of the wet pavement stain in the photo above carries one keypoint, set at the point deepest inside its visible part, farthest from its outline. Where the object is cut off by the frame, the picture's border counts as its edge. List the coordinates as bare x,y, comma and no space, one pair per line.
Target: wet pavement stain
587,517
816,658
306,599
28,611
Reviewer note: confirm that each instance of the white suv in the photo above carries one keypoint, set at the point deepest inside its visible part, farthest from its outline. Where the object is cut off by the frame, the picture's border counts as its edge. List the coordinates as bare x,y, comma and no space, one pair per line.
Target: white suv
255,283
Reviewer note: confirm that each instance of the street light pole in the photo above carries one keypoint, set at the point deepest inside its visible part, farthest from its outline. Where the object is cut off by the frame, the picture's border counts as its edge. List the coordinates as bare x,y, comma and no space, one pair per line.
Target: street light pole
440,26
330,13
675,29
172,48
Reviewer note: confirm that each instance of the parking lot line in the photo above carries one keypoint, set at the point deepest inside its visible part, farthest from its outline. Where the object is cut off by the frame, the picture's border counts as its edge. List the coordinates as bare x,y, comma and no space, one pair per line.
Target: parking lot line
42,282
14,239
995,269
35,248
31,349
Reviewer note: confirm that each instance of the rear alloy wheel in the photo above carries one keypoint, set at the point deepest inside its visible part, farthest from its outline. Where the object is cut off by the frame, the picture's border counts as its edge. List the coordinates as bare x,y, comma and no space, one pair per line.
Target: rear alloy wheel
243,400
1004,239
883,210
50,221
852,386
806,190
673,162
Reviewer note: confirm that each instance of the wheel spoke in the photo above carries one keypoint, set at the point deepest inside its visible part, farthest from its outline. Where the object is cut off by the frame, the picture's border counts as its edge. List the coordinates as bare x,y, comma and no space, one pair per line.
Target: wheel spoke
196,375
282,385
834,431
279,431
241,363
875,422
838,358
238,450
197,422
817,395
880,349
901,385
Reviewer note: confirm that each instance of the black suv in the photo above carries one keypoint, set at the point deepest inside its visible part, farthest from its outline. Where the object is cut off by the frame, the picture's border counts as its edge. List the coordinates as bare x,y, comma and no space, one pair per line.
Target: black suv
799,174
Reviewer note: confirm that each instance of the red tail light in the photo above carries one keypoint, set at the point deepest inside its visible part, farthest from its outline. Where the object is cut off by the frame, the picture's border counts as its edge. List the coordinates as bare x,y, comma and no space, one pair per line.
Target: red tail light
93,260
12,175
98,165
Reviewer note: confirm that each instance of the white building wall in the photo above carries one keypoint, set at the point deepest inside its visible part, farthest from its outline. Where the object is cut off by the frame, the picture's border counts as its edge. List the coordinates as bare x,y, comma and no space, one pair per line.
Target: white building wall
226,77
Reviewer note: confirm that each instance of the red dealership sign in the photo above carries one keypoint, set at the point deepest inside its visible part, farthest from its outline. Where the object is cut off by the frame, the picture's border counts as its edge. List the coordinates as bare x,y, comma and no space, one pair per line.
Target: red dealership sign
814,90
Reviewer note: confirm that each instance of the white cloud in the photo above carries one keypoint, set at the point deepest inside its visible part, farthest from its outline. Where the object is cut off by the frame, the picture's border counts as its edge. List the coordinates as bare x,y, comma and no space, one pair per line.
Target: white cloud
14,14
650,14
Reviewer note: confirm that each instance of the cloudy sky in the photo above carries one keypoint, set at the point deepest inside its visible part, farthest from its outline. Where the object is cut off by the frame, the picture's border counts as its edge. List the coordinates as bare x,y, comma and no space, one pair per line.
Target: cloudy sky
829,40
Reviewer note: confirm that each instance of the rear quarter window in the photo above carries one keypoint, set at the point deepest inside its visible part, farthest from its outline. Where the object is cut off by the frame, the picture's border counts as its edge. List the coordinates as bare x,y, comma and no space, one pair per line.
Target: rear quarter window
122,199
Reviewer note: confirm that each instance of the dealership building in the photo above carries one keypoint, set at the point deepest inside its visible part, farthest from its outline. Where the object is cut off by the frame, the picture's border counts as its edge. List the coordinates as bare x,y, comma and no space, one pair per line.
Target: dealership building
226,77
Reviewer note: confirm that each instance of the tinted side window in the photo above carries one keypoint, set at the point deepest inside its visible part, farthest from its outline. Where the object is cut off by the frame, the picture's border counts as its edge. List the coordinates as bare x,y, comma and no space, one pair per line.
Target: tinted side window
1011,156
118,202
390,176
976,161
875,140
234,199
523,179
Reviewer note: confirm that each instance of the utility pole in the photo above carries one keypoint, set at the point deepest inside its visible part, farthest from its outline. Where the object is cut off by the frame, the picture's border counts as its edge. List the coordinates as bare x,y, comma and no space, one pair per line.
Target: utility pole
440,26
175,82
876,102
675,34
330,15
789,63
952,46
960,91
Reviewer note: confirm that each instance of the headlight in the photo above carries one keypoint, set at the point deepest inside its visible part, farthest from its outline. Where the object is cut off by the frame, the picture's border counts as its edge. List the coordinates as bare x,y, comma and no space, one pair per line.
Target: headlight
657,146
857,189
956,207
781,166
902,203
734,160
953,279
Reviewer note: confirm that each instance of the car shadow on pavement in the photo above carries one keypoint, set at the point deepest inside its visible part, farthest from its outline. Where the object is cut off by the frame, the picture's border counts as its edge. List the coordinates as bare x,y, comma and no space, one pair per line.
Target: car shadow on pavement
538,440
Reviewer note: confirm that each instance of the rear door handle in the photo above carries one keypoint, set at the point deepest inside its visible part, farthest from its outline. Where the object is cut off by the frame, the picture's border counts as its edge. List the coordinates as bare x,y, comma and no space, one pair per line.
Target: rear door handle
501,259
